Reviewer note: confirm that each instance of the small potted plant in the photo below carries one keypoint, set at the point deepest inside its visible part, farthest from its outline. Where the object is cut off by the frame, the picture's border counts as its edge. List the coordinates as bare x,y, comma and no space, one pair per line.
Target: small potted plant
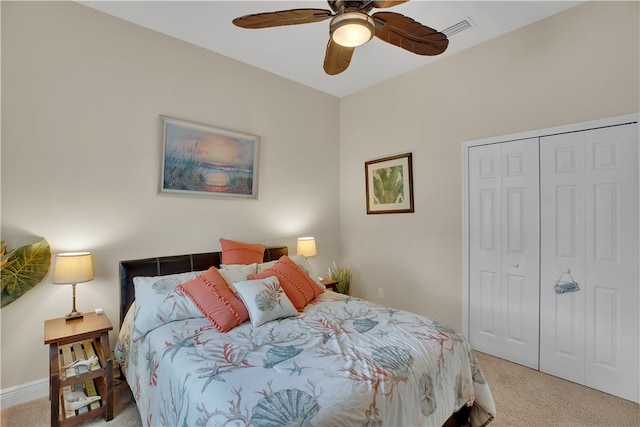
341,274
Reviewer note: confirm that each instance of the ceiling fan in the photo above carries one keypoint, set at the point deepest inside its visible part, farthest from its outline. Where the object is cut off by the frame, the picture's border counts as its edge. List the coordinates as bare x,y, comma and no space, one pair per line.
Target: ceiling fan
352,26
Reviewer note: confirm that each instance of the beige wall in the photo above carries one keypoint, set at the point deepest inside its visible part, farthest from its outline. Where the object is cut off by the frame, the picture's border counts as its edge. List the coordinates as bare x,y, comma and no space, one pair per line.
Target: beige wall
579,65
81,97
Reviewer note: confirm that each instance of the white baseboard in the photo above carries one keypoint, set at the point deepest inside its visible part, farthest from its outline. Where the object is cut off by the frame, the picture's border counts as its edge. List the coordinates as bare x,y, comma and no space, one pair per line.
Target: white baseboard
24,393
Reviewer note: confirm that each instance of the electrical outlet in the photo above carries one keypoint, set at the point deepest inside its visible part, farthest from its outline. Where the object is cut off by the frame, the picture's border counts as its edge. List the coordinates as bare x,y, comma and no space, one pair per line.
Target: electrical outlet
380,293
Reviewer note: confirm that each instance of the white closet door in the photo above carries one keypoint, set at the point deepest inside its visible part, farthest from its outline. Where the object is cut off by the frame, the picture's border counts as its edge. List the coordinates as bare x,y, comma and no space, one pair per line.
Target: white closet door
504,250
562,255
486,327
520,251
612,356
589,200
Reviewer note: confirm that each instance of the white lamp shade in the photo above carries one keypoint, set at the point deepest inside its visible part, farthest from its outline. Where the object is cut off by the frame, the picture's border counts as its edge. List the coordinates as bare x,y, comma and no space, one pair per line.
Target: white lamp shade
307,246
72,268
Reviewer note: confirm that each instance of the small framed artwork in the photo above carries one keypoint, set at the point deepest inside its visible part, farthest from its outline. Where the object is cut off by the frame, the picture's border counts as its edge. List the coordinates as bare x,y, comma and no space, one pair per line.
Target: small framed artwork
199,159
389,184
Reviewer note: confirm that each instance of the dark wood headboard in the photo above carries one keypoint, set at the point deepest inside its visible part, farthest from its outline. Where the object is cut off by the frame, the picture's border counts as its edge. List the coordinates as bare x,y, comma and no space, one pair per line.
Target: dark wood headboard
160,266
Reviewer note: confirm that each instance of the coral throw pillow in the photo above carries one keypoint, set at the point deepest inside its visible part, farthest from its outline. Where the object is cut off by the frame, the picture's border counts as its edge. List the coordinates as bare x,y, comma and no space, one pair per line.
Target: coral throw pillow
215,299
299,287
241,253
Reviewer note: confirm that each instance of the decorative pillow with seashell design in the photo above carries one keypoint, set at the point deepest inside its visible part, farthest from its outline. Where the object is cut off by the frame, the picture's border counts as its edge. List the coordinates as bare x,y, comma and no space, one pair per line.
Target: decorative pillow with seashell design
265,300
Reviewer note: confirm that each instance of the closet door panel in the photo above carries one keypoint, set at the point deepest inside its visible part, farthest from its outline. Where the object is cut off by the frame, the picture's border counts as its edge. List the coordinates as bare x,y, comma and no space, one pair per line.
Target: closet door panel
520,250
566,198
504,250
606,320
562,256
612,293
486,327
589,227
516,321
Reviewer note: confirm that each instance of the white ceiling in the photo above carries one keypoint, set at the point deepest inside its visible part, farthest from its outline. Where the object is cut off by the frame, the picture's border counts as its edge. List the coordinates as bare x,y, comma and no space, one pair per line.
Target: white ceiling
296,52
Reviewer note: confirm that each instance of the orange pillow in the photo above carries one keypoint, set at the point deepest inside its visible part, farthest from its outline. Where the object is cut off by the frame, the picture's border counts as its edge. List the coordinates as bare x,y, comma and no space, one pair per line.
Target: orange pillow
241,253
213,297
299,287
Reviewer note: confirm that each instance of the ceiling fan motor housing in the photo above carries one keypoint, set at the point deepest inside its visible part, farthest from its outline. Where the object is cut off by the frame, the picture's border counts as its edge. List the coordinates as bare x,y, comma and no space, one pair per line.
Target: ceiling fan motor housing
346,5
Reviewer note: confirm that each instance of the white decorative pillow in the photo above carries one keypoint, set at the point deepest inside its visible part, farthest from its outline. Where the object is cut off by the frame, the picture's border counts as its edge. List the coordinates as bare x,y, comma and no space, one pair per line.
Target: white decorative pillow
265,300
263,266
303,263
237,272
159,301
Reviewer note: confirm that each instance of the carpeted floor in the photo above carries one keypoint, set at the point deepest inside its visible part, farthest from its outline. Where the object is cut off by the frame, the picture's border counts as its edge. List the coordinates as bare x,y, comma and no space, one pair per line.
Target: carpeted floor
524,397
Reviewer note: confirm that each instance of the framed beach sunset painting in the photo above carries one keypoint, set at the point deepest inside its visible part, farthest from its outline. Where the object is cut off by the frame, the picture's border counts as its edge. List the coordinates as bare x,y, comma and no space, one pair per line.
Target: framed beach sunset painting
204,160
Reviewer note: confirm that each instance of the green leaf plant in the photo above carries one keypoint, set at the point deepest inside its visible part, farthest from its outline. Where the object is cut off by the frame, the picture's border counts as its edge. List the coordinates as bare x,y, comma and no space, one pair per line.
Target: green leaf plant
342,274
21,269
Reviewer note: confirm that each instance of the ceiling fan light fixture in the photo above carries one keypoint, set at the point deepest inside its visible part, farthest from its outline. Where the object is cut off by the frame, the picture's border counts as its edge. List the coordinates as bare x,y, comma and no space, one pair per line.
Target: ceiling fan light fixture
352,29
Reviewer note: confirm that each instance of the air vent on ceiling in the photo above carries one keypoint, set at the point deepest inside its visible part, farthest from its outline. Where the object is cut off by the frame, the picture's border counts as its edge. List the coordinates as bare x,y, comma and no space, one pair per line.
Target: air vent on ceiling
456,28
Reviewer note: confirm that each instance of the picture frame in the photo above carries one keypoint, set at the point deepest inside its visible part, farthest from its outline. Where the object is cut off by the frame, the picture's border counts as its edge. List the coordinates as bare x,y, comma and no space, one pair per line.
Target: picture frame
389,184
204,160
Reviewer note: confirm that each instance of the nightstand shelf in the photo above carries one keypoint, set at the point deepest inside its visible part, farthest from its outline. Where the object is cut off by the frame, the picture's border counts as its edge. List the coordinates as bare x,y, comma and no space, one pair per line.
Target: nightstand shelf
73,340
330,284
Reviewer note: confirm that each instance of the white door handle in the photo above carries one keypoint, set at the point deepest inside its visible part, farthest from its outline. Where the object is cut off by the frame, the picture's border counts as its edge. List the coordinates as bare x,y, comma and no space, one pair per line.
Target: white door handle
516,265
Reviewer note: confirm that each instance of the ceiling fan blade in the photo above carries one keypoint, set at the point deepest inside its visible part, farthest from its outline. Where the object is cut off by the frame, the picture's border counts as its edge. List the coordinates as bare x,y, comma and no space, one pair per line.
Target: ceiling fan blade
388,3
408,34
337,58
283,17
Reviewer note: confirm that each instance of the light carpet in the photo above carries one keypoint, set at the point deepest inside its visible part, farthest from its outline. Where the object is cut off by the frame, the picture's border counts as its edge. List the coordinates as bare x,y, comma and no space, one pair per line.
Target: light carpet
524,397
529,398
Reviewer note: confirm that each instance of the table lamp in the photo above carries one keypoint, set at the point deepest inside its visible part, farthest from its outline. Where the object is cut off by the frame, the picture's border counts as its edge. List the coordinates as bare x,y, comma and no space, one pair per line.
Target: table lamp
73,268
307,247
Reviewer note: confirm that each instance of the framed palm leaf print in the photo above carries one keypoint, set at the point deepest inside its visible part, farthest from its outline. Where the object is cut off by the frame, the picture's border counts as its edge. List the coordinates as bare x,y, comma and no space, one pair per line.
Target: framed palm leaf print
389,184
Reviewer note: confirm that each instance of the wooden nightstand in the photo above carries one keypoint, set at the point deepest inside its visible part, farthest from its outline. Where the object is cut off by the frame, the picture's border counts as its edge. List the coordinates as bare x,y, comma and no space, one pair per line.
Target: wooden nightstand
71,340
330,284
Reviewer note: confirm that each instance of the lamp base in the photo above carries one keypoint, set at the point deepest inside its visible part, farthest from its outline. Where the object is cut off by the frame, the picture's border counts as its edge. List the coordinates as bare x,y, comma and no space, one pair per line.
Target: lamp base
74,315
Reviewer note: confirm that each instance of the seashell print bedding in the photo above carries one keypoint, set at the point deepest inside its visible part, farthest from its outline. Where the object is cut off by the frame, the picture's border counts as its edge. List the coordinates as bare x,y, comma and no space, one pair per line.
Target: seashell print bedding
343,361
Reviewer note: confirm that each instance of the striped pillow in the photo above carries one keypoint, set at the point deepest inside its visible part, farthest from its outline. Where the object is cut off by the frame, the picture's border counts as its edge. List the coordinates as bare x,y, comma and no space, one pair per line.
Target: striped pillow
241,253
215,299
299,287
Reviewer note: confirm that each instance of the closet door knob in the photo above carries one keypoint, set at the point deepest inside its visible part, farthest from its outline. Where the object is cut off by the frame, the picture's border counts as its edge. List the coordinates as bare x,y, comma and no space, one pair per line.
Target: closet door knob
516,265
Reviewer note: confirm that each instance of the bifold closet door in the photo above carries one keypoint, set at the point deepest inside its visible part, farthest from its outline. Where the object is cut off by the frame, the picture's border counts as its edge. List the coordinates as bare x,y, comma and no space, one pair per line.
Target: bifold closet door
504,250
589,233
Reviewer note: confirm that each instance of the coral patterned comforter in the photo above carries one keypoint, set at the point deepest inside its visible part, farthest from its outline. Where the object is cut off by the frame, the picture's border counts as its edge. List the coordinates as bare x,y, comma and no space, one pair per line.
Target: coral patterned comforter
342,362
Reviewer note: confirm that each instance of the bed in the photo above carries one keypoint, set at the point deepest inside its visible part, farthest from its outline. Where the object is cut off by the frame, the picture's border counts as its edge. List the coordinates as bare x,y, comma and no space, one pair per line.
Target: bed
342,361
